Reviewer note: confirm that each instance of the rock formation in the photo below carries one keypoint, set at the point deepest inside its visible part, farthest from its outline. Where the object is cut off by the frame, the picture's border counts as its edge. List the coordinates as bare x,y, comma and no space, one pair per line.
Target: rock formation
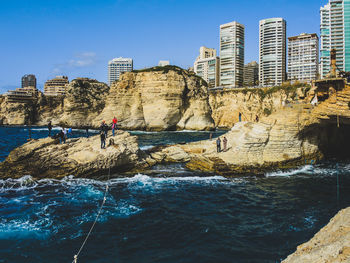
160,98
331,244
83,157
295,134
84,101
226,104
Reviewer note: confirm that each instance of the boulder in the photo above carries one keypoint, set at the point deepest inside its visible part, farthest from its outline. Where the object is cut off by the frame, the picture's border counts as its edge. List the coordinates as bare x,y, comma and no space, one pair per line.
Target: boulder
331,244
80,157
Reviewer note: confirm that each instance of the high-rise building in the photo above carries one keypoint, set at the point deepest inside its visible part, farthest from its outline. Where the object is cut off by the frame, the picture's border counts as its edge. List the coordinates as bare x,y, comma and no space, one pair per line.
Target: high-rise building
29,81
231,54
272,51
251,74
56,86
303,57
335,34
117,66
207,66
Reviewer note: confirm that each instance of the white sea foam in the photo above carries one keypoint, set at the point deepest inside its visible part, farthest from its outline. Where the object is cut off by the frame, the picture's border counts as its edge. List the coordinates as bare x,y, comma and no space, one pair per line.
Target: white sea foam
144,148
307,169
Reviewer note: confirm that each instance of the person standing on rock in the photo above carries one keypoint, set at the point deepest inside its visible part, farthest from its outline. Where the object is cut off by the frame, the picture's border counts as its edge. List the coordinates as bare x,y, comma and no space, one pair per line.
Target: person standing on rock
240,117
62,137
49,126
104,128
114,125
225,144
103,139
218,144
257,118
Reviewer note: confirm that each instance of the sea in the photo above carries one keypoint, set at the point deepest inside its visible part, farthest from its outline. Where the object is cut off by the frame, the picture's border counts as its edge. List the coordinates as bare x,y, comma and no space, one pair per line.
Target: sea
172,215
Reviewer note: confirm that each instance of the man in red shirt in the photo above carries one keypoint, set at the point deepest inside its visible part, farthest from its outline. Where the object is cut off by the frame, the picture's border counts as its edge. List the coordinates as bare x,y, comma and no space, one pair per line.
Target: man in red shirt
114,124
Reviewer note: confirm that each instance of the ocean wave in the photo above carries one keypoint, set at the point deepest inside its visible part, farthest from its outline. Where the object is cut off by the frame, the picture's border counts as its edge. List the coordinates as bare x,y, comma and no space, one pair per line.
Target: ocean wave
307,169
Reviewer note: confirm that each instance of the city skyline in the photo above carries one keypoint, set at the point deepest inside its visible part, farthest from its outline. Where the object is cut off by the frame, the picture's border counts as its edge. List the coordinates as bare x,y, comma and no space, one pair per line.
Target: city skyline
85,49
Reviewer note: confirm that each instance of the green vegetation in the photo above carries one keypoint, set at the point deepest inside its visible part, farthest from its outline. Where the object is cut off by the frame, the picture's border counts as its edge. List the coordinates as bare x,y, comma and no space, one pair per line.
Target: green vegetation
267,111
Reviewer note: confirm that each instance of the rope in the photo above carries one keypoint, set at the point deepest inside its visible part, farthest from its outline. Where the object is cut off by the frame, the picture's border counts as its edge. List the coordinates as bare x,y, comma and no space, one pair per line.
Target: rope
75,258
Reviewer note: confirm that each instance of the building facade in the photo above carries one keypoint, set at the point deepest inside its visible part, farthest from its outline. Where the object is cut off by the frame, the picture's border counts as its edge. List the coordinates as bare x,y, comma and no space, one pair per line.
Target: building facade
303,57
207,66
335,34
56,86
231,54
272,52
118,66
251,74
28,80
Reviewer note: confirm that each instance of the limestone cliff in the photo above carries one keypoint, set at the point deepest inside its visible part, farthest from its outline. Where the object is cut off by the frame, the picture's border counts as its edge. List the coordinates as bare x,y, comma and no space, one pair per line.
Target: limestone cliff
296,134
161,98
84,101
331,244
226,104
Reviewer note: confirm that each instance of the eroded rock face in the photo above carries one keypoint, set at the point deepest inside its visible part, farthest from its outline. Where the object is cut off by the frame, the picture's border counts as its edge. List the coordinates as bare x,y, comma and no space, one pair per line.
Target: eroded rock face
331,244
84,101
226,104
83,157
159,100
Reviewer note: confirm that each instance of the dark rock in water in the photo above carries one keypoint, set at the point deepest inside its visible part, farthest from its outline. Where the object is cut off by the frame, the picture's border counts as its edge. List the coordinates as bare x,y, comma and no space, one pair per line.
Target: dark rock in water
83,157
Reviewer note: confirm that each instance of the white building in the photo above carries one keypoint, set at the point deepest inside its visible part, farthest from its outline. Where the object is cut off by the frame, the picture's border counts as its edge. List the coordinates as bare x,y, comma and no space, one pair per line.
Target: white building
272,52
303,57
117,66
231,54
335,33
163,63
207,66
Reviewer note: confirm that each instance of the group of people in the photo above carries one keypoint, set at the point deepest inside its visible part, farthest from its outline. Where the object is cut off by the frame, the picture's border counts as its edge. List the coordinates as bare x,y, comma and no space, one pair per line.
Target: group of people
240,117
218,144
62,135
104,131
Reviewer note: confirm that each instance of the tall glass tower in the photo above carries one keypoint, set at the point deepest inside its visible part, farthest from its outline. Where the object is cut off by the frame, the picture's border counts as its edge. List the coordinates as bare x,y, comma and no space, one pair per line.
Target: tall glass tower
335,33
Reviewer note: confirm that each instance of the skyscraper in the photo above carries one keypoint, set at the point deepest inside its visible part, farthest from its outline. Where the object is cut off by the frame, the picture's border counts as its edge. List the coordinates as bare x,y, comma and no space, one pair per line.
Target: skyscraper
303,57
117,66
272,51
335,33
231,54
207,66
29,81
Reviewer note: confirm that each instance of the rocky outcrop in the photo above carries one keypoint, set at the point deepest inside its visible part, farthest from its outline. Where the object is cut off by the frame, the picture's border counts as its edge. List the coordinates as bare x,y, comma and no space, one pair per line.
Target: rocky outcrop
83,157
161,98
331,244
84,101
294,135
226,104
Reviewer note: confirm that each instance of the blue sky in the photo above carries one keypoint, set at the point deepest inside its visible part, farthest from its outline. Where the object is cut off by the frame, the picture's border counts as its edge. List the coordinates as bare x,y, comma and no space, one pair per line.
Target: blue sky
78,37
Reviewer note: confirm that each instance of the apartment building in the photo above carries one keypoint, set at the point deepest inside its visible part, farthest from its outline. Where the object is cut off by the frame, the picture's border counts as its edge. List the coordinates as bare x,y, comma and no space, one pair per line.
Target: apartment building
231,54
251,74
335,34
118,66
303,57
207,66
272,51
56,86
